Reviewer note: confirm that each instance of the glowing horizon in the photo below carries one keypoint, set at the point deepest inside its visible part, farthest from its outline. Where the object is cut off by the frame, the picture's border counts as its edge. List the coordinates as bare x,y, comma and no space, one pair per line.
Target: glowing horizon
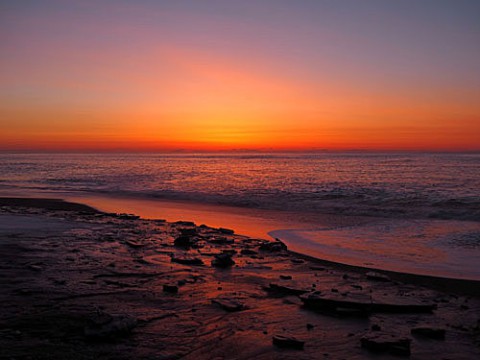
221,75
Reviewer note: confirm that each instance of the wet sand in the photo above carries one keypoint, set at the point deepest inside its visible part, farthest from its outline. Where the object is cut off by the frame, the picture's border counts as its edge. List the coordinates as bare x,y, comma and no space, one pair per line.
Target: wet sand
81,284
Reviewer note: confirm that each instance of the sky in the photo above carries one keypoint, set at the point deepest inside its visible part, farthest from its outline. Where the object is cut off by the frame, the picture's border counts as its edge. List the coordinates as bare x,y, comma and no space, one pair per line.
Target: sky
221,75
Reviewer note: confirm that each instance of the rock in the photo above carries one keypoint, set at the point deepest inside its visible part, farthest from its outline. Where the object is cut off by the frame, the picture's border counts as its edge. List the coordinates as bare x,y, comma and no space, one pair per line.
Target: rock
363,302
317,268
287,342
35,268
375,276
248,252
221,240
226,231
127,217
286,290
297,261
184,223
187,260
104,326
376,327
286,277
229,305
273,246
134,244
229,252
188,231
183,241
173,289
429,332
385,342
223,260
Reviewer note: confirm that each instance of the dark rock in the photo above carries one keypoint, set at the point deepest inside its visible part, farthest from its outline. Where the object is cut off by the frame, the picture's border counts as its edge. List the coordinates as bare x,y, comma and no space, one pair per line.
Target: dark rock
429,332
183,241
287,342
187,260
248,252
103,326
35,268
221,240
310,326
364,303
188,231
376,327
173,289
285,290
223,260
297,261
384,342
134,244
317,268
229,305
229,252
226,231
128,216
286,277
273,246
184,223
375,276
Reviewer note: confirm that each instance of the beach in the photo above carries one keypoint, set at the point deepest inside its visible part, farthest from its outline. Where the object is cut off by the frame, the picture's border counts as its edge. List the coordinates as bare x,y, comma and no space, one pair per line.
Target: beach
83,284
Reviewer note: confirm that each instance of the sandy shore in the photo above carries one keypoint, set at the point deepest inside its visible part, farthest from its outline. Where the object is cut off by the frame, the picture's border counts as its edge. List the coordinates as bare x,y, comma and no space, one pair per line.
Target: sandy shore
80,284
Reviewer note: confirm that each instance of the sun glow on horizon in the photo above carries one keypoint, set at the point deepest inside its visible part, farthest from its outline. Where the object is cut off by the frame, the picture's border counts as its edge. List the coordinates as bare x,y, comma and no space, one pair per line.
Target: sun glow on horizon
173,76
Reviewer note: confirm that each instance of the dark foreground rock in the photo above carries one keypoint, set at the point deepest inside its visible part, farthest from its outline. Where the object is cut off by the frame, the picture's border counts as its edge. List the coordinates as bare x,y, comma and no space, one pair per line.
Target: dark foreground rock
187,260
223,260
429,332
382,342
274,246
230,305
365,303
173,289
284,289
288,342
103,326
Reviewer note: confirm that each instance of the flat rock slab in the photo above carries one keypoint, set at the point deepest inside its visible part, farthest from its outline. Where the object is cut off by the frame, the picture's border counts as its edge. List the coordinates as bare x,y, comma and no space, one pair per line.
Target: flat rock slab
376,276
429,332
187,260
230,305
288,342
386,343
286,289
364,303
105,326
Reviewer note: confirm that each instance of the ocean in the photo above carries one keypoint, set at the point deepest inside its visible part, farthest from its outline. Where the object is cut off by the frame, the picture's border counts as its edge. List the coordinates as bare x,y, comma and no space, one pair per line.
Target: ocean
440,186
424,207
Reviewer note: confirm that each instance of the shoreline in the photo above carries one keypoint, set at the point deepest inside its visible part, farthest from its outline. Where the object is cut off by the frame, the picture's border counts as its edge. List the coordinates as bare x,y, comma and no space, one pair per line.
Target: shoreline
464,286
81,284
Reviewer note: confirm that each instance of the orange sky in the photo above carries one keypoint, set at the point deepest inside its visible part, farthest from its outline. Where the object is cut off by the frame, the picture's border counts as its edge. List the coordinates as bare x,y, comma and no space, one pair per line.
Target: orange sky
149,77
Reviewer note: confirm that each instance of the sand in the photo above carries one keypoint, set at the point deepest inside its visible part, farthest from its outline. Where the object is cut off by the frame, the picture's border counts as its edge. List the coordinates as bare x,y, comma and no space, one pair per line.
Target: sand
80,284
